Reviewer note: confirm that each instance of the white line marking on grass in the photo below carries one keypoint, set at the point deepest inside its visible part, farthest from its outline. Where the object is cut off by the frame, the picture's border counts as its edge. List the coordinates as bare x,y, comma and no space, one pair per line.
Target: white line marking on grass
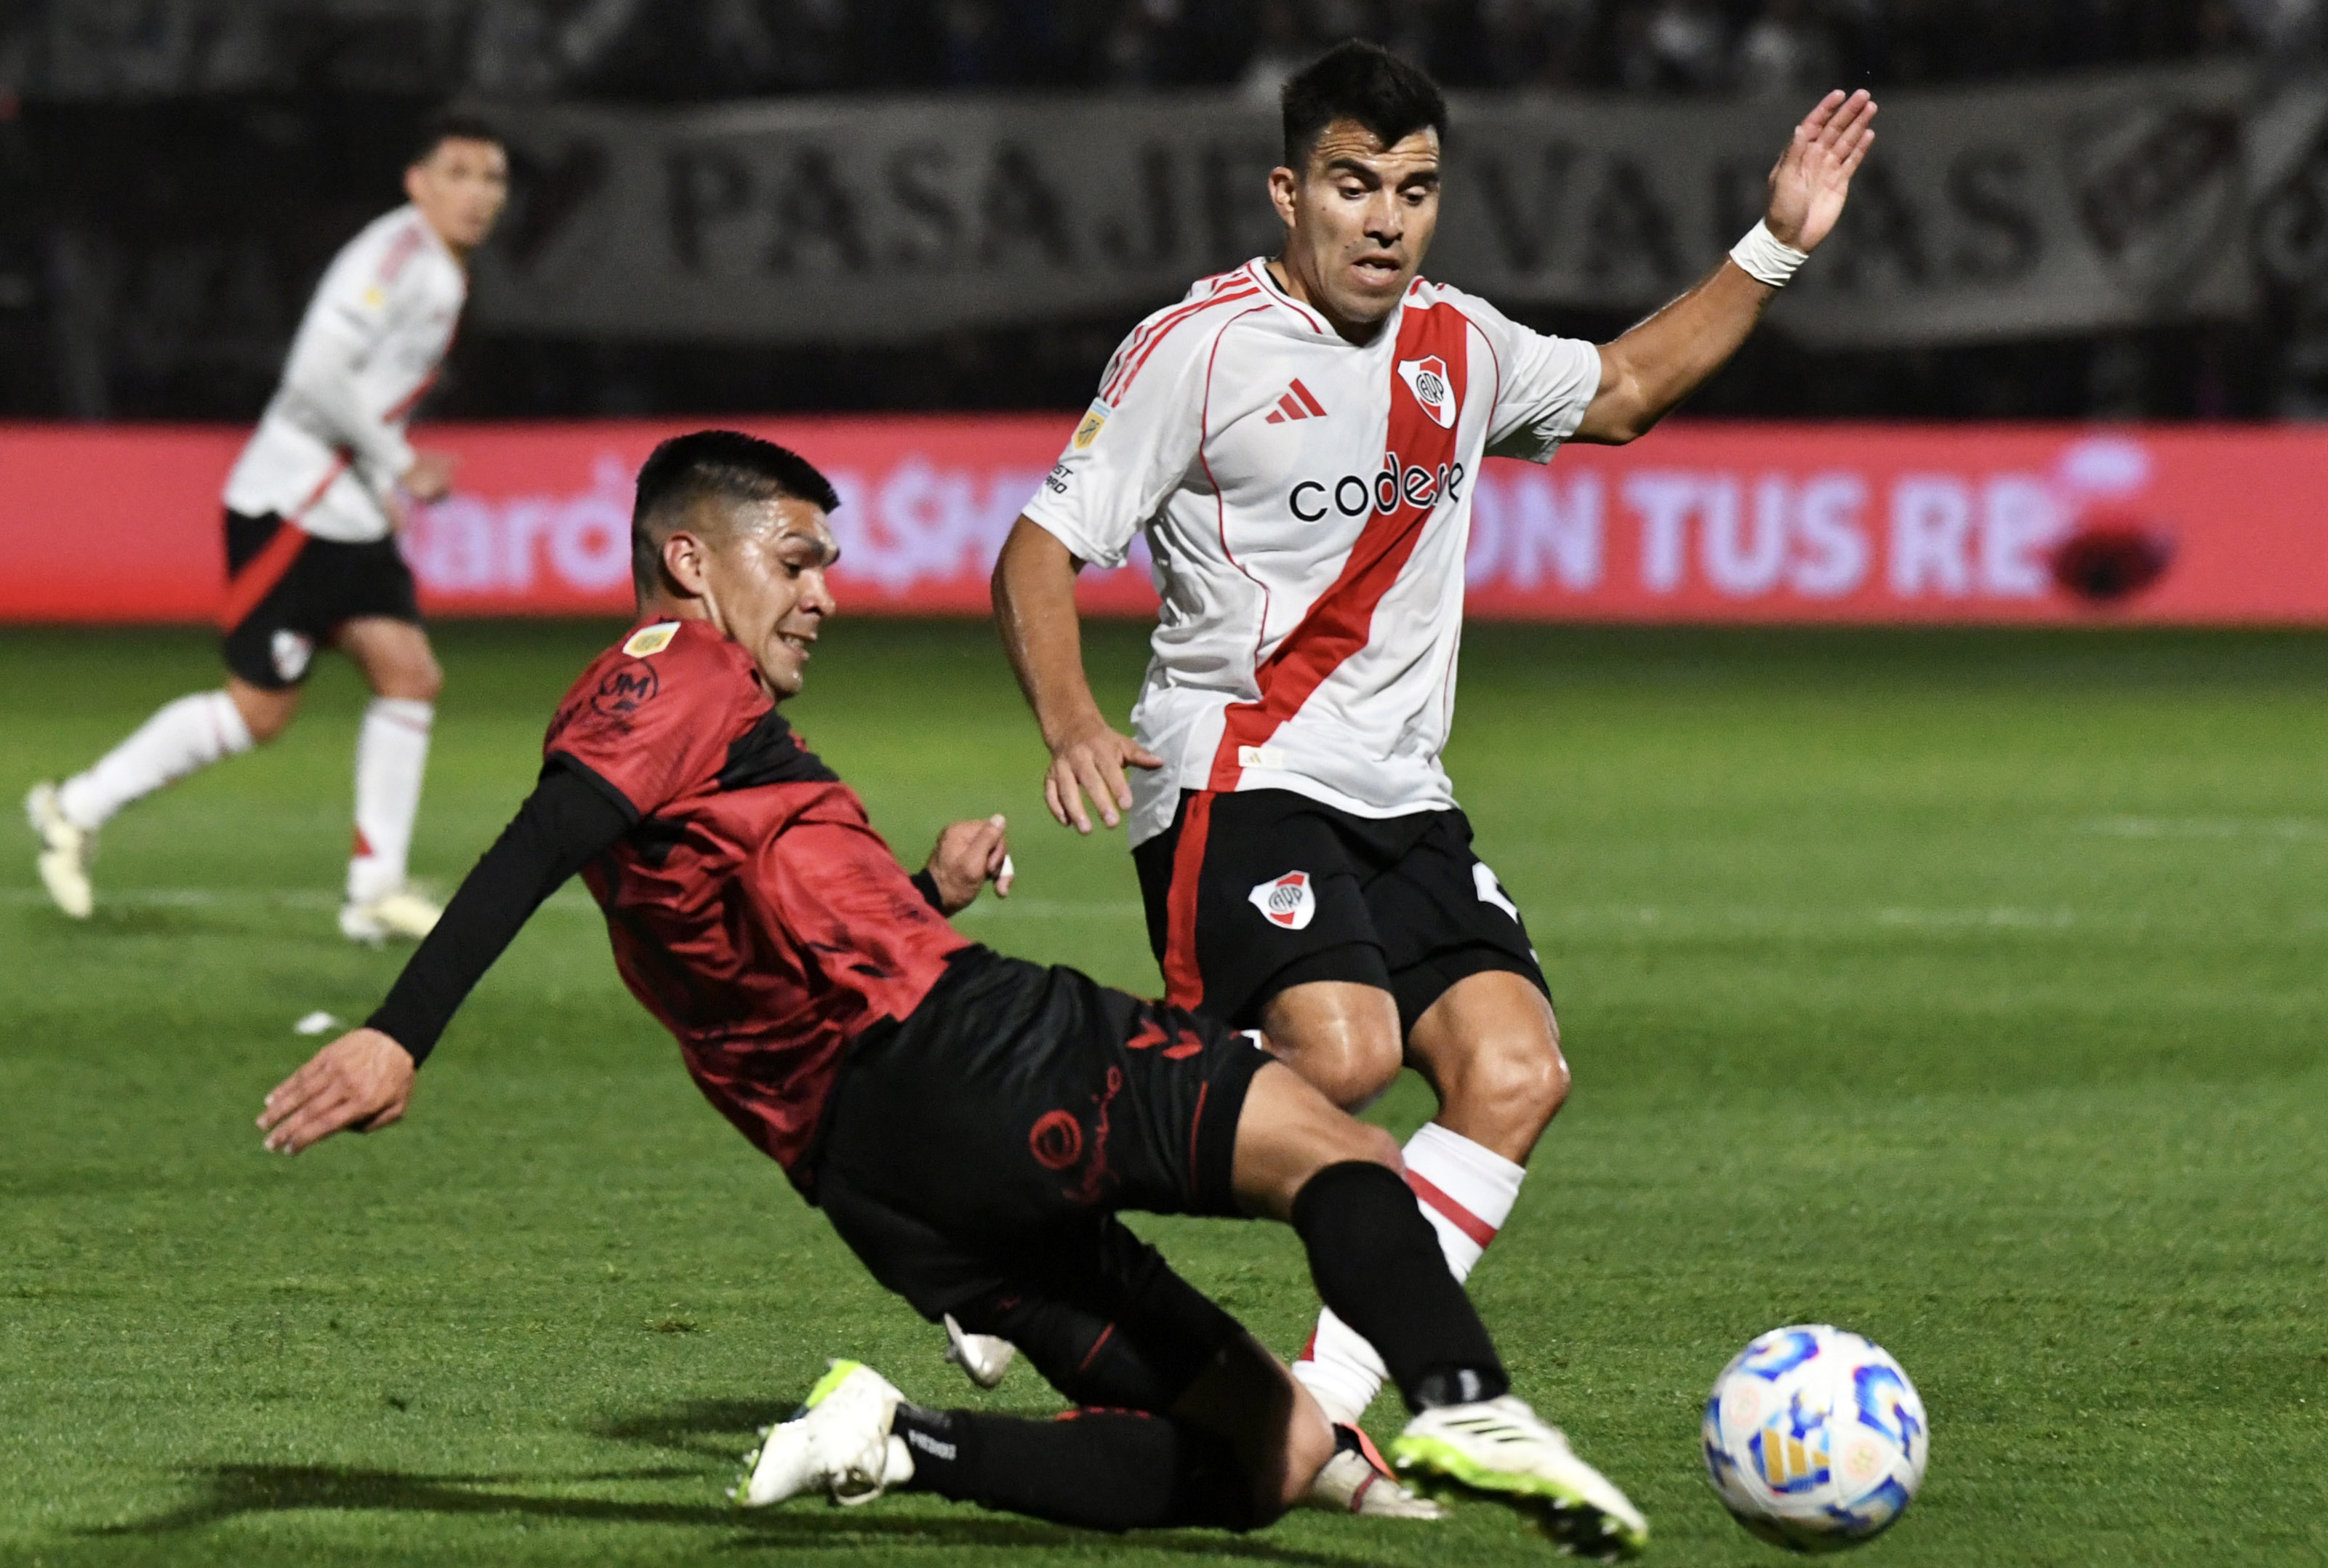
1053,910
2206,828
566,902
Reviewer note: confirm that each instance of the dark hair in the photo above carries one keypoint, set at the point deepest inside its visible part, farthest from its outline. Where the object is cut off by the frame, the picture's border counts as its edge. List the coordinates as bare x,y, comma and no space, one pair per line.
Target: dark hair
724,463
449,125
1361,82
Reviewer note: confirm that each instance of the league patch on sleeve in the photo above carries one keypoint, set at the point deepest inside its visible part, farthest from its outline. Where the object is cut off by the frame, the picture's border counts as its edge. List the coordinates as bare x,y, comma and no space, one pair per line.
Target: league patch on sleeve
648,640
1093,422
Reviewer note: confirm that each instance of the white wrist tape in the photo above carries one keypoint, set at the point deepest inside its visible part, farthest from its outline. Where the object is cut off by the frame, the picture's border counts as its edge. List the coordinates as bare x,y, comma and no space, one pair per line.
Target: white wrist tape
1761,255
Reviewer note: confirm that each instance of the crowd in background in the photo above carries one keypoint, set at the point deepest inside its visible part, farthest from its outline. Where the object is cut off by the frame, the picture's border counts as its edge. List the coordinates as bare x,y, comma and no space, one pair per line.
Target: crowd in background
174,173
693,50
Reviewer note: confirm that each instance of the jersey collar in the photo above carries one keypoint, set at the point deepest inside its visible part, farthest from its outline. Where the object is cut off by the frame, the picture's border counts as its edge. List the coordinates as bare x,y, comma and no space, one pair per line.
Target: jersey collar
1258,268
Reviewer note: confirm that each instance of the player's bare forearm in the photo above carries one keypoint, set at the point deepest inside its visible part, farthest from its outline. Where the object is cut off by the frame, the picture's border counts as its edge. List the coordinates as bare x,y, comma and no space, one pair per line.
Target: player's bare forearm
1648,371
1657,364
1034,592
1035,607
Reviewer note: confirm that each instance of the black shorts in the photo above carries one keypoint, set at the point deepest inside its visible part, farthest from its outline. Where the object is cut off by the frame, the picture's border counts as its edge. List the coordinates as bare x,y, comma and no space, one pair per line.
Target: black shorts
1252,892
975,1155
287,592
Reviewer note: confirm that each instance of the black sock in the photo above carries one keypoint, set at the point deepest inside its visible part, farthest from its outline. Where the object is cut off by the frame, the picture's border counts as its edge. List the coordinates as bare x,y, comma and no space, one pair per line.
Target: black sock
1098,1470
1377,1264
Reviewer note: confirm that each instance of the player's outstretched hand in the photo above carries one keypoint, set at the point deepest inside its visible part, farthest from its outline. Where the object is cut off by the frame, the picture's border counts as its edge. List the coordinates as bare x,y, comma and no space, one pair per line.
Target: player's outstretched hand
362,1080
968,855
1813,176
1092,763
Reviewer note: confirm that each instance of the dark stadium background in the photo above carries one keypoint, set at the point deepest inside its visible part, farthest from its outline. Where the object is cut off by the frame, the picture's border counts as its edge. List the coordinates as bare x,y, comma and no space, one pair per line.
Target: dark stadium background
175,174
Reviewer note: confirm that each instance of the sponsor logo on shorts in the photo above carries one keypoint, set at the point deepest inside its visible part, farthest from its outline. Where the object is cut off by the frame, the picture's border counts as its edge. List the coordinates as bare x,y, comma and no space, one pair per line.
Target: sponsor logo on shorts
1490,891
1088,431
291,652
1055,1140
650,640
625,690
1289,902
930,1445
1427,379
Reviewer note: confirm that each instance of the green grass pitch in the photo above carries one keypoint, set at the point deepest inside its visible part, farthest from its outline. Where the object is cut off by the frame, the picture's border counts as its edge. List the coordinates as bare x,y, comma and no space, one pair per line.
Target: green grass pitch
1962,989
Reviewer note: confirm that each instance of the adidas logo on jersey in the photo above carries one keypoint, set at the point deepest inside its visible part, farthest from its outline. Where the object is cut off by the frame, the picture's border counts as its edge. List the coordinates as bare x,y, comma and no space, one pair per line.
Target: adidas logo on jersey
1287,902
1297,403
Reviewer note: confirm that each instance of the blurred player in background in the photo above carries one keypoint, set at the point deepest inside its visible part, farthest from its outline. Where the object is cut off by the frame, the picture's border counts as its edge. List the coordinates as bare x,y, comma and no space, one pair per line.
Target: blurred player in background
1300,439
312,508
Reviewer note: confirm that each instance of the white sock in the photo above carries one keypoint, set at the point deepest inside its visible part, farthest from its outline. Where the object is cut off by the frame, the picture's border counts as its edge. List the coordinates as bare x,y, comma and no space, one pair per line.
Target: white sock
1466,1191
185,737
391,753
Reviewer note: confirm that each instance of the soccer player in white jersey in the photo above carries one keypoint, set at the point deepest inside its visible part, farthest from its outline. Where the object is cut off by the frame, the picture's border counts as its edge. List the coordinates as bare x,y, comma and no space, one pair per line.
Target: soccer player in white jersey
1300,439
312,508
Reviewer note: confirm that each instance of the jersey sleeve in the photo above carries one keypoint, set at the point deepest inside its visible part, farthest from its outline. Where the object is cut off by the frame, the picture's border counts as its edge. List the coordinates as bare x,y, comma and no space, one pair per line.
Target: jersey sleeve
1546,385
648,726
1134,444
353,314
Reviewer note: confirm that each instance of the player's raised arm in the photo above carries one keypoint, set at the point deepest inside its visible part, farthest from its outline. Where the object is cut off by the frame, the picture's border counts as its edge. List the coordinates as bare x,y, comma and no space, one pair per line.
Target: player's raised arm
1644,374
363,1079
1035,607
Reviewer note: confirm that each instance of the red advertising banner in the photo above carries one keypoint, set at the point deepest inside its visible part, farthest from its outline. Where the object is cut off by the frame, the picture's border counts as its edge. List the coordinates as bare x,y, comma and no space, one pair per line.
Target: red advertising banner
1728,522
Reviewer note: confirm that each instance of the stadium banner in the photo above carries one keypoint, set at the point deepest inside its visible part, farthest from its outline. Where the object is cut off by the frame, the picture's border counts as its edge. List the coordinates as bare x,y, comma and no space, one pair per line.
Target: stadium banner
1701,522
2053,206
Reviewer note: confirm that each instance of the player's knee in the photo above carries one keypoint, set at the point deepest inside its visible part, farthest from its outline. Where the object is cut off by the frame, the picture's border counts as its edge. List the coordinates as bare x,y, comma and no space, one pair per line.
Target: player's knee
1308,1444
1522,1077
266,714
1376,1147
417,679
1351,1070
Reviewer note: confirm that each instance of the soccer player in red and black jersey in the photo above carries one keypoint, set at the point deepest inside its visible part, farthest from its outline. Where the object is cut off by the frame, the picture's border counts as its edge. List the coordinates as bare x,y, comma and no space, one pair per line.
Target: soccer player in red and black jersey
969,1123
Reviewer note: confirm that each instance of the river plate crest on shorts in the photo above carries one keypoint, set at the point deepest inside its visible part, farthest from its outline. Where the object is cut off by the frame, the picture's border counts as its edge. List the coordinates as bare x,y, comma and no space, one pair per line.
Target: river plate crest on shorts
1288,902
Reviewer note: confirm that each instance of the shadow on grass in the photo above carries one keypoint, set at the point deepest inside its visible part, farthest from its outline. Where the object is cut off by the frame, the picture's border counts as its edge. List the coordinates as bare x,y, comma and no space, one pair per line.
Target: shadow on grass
236,1491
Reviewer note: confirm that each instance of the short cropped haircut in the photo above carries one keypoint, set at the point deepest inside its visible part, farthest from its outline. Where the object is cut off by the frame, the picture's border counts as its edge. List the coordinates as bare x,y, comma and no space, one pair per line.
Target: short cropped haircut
720,465
447,125
1361,82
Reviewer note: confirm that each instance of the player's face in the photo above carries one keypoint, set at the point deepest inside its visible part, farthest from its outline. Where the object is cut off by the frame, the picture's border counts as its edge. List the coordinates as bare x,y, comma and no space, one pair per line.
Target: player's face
763,584
460,188
1358,218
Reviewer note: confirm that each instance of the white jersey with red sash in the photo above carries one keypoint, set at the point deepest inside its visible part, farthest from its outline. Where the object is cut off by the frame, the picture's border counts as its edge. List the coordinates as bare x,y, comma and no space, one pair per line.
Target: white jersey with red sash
1307,502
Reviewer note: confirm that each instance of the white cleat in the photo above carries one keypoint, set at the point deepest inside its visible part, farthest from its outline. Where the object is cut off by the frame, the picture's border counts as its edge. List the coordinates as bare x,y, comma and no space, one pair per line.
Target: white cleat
66,851
838,1443
1502,1447
402,916
1355,1480
982,1357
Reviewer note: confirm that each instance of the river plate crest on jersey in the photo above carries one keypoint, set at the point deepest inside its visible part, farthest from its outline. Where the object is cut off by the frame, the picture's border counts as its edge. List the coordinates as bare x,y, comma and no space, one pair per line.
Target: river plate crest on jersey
1426,378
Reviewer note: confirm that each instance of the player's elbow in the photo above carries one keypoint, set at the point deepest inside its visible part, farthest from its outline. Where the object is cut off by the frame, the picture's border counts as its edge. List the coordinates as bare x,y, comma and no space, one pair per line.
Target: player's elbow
1624,410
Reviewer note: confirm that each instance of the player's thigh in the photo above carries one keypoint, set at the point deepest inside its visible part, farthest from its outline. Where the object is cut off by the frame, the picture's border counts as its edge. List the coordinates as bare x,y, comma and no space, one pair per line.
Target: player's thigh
278,583
1017,1099
1443,914
393,654
1250,894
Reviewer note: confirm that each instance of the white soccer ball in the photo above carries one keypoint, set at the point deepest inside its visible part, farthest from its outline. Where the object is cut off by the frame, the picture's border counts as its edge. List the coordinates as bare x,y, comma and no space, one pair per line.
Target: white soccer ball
1814,1438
